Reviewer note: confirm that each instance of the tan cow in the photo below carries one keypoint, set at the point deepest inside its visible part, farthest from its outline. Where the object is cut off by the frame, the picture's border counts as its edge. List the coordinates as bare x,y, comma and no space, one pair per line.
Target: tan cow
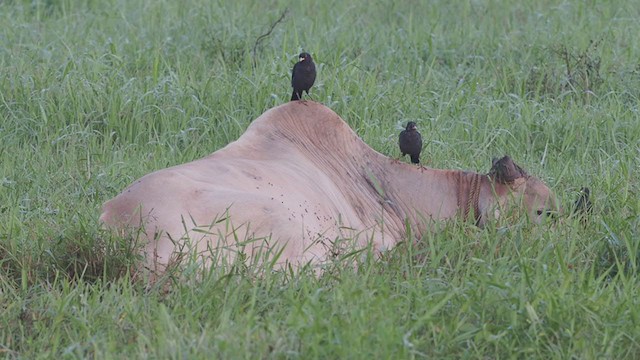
299,178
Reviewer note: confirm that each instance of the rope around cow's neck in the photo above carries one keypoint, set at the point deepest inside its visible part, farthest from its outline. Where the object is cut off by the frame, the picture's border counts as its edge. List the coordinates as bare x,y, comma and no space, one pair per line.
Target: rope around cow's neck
473,198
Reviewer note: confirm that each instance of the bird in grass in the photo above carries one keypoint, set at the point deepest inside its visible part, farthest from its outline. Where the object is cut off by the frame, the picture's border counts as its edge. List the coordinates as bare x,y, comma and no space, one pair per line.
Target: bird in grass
410,142
583,206
303,76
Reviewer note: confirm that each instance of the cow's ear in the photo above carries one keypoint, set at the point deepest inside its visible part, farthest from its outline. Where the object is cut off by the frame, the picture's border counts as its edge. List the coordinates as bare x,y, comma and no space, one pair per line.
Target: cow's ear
505,171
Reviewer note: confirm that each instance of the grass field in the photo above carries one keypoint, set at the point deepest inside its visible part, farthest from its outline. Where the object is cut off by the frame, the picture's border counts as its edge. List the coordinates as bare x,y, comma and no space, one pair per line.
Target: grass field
95,94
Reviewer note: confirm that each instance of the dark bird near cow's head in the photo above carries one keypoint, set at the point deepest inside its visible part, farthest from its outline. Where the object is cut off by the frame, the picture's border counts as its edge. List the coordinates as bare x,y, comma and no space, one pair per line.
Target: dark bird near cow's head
583,206
303,76
410,142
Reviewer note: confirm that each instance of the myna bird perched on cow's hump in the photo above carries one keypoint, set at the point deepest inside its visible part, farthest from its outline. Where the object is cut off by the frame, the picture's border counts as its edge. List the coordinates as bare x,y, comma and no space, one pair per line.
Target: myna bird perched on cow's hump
303,76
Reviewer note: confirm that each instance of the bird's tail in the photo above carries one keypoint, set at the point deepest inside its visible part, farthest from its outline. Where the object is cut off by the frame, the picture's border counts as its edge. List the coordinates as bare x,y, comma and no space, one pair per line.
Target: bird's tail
295,95
415,159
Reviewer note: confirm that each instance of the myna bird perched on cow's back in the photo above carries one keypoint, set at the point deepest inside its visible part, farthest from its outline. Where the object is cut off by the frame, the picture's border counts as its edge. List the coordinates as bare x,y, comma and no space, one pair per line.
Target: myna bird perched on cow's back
303,76
410,142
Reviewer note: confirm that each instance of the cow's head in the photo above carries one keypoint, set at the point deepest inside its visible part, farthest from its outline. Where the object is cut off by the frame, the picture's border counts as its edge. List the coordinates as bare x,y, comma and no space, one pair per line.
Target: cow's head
515,187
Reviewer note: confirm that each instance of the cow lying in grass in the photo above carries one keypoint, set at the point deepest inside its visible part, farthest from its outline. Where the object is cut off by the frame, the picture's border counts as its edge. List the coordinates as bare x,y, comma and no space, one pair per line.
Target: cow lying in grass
299,178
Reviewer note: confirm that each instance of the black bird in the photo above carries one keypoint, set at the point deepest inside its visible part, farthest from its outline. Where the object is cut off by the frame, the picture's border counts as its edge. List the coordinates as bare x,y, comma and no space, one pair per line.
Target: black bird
583,205
303,76
410,142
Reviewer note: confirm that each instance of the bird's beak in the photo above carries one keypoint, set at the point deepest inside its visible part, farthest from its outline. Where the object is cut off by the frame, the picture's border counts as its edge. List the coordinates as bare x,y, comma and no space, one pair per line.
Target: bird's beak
301,59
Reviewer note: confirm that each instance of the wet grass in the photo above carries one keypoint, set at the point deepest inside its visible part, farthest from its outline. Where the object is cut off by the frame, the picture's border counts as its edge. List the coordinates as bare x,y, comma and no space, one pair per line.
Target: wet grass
96,94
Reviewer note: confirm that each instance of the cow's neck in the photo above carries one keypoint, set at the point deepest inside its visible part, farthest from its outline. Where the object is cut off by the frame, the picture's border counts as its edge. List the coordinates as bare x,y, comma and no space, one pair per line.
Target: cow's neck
423,196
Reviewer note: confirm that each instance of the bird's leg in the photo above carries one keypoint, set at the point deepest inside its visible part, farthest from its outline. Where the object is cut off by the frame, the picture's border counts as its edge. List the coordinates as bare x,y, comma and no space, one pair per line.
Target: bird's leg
309,96
427,161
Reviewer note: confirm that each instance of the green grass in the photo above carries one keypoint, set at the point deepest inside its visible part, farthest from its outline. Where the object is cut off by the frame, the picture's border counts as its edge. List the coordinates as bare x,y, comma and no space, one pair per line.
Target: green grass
95,94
